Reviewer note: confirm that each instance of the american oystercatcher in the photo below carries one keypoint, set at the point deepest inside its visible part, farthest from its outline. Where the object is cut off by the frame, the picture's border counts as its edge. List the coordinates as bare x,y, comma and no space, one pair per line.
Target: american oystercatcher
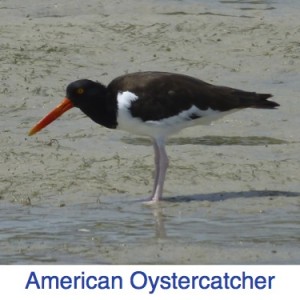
154,104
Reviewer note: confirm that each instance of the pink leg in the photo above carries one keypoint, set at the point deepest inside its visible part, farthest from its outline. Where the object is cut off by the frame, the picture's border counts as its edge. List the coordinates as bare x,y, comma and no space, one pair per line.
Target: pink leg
161,164
156,163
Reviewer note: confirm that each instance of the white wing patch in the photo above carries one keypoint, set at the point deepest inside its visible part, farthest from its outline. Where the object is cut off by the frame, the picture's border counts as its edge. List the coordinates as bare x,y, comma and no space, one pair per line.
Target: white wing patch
163,127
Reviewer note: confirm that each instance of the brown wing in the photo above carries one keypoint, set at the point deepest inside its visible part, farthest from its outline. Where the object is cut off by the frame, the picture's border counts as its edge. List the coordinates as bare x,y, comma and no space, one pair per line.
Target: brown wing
162,95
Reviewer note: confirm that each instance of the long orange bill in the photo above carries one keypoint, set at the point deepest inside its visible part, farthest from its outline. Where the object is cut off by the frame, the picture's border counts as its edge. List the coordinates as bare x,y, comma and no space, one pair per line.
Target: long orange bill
65,105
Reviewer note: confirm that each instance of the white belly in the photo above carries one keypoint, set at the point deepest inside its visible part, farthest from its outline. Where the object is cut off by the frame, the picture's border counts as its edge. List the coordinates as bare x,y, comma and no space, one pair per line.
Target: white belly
163,127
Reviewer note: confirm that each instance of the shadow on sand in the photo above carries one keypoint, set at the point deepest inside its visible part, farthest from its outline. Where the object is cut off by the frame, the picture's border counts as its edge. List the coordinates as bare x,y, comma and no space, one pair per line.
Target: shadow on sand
231,195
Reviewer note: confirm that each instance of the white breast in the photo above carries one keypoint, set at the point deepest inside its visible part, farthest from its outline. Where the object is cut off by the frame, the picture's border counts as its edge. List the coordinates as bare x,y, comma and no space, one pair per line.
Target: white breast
163,127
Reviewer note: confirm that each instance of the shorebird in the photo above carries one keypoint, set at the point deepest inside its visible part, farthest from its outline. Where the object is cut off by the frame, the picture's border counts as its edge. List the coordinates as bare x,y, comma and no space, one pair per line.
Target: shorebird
154,104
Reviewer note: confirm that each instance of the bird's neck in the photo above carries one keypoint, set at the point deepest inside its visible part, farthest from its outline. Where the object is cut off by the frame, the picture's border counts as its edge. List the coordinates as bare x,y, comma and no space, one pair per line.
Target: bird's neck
101,109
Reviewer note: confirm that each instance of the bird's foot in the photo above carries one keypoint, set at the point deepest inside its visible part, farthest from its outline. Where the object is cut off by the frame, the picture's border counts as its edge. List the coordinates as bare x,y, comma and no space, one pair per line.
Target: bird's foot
151,201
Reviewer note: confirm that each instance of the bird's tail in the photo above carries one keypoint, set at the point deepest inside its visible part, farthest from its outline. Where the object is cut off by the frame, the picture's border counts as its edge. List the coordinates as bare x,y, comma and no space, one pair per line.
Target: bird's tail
255,100
263,102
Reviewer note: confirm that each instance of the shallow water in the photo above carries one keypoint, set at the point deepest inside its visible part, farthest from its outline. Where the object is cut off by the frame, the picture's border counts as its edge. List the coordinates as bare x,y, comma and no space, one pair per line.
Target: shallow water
112,231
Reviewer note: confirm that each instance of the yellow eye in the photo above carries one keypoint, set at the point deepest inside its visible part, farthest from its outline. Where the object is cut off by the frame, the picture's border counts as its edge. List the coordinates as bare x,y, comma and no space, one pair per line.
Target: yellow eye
80,91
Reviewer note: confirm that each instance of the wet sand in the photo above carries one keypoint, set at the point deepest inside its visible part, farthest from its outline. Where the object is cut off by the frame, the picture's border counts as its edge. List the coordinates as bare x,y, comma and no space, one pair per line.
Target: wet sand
72,193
